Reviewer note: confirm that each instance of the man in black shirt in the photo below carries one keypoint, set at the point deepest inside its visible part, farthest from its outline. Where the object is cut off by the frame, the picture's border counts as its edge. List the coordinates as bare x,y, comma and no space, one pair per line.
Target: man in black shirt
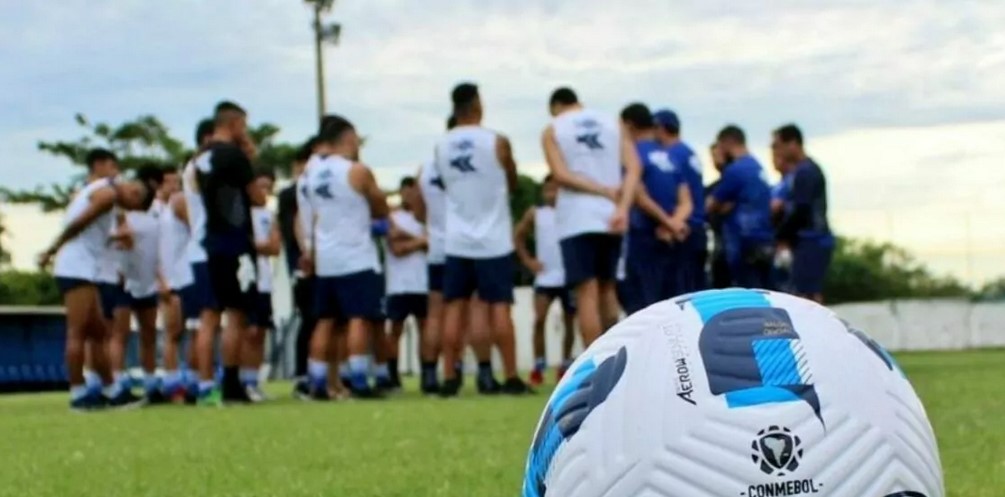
226,184
303,284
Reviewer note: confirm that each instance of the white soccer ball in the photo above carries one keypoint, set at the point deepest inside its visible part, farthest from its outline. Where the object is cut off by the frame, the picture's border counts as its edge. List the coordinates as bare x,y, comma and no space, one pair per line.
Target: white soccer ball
734,393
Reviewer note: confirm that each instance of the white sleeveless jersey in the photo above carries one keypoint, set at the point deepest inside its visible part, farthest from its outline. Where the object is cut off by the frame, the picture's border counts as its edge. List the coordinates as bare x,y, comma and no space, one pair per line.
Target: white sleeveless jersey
547,249
141,263
110,262
196,214
262,221
174,263
590,143
406,274
435,198
80,257
479,225
341,228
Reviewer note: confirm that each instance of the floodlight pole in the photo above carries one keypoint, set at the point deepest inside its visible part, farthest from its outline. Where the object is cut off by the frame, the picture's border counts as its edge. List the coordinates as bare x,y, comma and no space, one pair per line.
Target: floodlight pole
319,57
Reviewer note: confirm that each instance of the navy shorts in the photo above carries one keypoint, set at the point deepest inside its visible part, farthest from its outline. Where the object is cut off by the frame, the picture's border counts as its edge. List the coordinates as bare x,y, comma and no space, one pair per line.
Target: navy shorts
491,278
402,305
810,261
143,303
692,267
198,296
435,273
112,297
652,269
352,296
223,282
592,256
67,284
260,309
563,294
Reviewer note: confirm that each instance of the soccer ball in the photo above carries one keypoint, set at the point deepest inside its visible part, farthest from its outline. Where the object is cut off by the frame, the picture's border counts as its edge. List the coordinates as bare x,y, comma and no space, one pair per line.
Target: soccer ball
734,392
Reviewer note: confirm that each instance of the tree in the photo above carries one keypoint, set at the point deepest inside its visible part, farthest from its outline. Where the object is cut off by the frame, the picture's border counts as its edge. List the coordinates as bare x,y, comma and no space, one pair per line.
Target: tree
143,140
4,254
866,271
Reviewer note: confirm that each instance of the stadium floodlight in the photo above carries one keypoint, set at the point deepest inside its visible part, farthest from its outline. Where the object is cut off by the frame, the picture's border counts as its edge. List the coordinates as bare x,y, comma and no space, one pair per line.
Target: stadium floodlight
322,32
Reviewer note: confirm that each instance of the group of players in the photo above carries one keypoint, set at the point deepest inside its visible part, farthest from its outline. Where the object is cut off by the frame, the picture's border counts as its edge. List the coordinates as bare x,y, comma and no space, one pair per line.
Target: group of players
621,226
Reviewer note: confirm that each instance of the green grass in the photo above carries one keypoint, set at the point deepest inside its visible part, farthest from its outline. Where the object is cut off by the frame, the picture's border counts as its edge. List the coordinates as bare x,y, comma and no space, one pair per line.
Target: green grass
410,446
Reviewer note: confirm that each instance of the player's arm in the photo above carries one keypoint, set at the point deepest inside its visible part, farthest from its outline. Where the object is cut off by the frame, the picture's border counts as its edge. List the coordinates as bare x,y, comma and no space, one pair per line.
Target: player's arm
362,180
305,216
685,205
504,152
520,232
649,206
804,184
101,202
272,244
179,207
561,172
632,169
419,209
401,243
726,193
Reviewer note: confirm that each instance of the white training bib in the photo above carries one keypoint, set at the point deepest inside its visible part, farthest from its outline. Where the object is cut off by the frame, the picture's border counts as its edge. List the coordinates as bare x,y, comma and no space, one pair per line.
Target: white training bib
406,274
174,241
479,225
591,146
80,257
435,198
342,218
547,249
142,262
196,212
262,224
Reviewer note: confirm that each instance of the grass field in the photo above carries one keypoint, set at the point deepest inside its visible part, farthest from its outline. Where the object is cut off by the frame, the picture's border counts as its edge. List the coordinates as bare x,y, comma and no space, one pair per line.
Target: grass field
410,446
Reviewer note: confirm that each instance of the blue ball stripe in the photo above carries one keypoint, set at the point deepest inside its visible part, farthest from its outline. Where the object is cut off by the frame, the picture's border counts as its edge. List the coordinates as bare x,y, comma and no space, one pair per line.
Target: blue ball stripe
710,303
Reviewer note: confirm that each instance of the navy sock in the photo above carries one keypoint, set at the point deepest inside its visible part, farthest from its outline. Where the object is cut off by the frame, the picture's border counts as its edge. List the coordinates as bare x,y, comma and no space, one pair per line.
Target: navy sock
485,369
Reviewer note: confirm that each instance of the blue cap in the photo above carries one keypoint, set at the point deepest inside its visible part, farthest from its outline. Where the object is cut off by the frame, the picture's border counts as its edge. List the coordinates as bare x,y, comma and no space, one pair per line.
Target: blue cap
666,118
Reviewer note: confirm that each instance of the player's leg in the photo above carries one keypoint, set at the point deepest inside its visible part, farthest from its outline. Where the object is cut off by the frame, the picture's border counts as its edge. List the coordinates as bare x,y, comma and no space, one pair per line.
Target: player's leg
360,296
479,335
145,311
579,255
458,286
321,345
118,338
432,331
253,346
568,331
173,329
607,256
428,347
397,313
543,298
303,300
495,287
338,354
78,298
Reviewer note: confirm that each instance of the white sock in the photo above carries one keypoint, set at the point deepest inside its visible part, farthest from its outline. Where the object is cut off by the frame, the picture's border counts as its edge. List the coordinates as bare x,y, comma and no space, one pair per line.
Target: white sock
359,365
249,376
78,392
317,370
91,379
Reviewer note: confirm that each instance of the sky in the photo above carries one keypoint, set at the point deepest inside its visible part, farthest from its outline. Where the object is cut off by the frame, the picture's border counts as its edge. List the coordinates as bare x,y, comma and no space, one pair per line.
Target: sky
902,101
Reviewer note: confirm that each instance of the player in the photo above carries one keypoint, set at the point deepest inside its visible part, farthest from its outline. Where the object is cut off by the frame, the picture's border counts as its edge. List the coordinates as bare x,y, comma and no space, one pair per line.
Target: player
744,198
549,277
695,247
267,244
342,197
658,224
478,171
225,182
586,152
176,277
408,283
804,227
77,252
144,284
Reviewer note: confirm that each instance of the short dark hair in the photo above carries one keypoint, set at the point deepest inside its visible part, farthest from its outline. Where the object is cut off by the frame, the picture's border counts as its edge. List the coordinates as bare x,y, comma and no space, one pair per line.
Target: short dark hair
333,126
407,182
563,96
96,155
150,174
203,130
463,97
451,122
733,132
264,172
548,178
638,115
790,133
226,110
169,170
305,151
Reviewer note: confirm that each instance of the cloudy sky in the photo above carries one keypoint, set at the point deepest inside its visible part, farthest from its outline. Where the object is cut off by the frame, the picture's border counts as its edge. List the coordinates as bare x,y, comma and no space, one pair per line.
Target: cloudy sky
903,101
